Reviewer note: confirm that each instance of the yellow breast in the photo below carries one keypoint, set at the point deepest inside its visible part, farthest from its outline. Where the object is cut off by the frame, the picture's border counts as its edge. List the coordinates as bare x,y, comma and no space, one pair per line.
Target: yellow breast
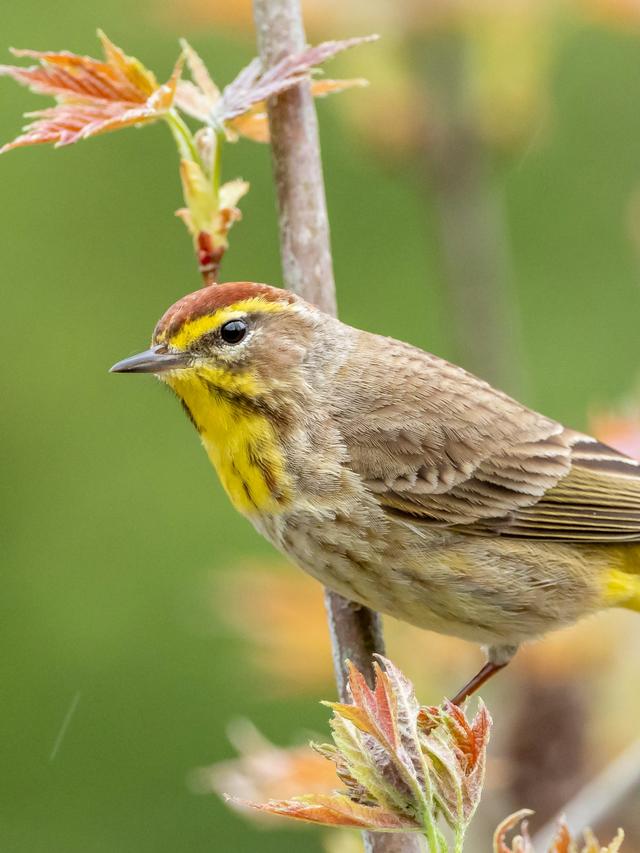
241,442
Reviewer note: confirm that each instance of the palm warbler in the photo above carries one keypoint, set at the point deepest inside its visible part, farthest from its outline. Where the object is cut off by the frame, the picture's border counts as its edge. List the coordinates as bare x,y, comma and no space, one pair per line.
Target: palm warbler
397,479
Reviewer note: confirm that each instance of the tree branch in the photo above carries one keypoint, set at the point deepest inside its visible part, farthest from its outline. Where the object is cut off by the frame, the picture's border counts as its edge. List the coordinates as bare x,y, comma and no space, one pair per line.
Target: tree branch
356,632
599,799
304,226
471,219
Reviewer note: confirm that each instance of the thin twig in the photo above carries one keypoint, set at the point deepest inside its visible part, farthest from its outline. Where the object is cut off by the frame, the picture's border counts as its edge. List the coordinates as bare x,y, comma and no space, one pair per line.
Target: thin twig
307,266
598,799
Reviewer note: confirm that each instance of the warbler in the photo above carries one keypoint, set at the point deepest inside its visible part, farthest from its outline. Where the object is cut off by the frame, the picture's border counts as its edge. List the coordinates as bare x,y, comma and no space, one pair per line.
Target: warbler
397,479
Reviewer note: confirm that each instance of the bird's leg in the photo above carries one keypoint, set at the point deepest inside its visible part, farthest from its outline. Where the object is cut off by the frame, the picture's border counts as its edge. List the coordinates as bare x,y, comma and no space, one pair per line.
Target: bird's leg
499,657
477,681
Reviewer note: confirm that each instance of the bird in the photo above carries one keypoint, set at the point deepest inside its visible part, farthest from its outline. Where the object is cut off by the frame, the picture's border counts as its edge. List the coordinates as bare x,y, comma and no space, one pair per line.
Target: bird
396,478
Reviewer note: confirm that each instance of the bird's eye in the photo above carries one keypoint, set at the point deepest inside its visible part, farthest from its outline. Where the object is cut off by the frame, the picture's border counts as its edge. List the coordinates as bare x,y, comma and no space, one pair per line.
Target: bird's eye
233,331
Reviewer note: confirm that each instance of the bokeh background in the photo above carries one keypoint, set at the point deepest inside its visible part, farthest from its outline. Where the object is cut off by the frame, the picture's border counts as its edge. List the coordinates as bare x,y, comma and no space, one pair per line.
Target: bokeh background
484,195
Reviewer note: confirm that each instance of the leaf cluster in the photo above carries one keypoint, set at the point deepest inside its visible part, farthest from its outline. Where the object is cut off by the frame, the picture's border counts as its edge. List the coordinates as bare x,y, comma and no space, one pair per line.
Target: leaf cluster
404,768
95,96
562,843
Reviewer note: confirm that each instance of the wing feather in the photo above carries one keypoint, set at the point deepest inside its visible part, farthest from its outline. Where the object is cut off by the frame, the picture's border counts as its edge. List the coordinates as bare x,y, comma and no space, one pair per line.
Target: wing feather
452,451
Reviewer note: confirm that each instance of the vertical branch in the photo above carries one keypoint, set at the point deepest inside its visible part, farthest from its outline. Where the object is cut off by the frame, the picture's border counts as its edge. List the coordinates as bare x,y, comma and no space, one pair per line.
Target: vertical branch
356,631
550,770
304,226
473,233
600,799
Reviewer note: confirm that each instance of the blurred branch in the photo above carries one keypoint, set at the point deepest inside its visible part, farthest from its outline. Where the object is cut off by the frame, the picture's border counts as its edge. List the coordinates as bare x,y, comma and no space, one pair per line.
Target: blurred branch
356,632
471,219
550,770
598,799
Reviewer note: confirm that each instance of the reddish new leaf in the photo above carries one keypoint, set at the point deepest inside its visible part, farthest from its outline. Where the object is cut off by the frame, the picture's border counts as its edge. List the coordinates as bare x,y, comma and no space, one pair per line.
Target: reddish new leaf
372,711
253,85
241,109
562,842
469,738
254,124
388,713
456,749
263,771
521,843
94,96
338,810
398,775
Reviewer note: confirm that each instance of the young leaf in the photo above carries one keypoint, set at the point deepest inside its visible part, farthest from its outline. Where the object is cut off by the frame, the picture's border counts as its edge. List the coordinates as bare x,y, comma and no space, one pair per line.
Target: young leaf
198,96
199,72
241,109
592,845
338,810
93,96
401,765
263,770
254,124
209,214
457,749
207,210
253,85
562,843
521,843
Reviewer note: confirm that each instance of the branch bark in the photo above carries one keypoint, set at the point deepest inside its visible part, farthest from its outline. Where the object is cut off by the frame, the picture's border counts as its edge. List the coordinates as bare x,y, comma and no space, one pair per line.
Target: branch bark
304,226
356,632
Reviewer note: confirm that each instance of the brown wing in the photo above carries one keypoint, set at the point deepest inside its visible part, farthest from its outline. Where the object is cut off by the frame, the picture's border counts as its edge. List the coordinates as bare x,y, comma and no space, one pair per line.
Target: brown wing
439,445
598,501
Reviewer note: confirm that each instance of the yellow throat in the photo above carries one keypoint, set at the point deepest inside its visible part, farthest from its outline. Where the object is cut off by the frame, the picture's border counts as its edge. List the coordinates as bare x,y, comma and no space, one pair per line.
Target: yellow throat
241,442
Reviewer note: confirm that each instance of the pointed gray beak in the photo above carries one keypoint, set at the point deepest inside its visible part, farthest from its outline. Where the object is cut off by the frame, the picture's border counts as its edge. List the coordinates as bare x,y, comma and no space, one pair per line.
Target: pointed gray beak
154,360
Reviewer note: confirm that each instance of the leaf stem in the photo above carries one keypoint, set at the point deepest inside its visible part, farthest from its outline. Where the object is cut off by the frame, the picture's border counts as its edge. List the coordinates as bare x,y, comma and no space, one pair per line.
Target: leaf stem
183,137
435,839
216,170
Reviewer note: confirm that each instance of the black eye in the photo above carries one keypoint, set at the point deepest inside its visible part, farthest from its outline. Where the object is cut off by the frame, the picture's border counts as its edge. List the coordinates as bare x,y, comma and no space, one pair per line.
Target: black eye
233,331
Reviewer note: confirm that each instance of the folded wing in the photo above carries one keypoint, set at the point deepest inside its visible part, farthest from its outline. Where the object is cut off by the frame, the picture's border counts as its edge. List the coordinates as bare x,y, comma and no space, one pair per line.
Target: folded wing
438,445
598,500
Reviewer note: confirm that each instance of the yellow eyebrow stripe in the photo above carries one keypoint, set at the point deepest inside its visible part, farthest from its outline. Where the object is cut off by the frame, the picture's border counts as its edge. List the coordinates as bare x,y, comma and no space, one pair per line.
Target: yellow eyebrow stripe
194,329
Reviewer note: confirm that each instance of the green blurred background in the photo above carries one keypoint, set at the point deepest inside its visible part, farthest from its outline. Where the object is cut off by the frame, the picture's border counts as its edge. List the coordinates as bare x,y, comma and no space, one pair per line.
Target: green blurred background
112,521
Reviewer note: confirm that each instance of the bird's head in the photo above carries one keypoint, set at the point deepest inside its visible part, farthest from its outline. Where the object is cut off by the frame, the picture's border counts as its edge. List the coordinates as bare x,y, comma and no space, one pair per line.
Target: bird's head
246,361
241,340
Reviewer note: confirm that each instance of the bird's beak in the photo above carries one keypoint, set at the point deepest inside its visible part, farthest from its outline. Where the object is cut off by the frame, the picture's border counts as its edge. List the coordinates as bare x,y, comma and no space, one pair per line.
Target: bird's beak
154,360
